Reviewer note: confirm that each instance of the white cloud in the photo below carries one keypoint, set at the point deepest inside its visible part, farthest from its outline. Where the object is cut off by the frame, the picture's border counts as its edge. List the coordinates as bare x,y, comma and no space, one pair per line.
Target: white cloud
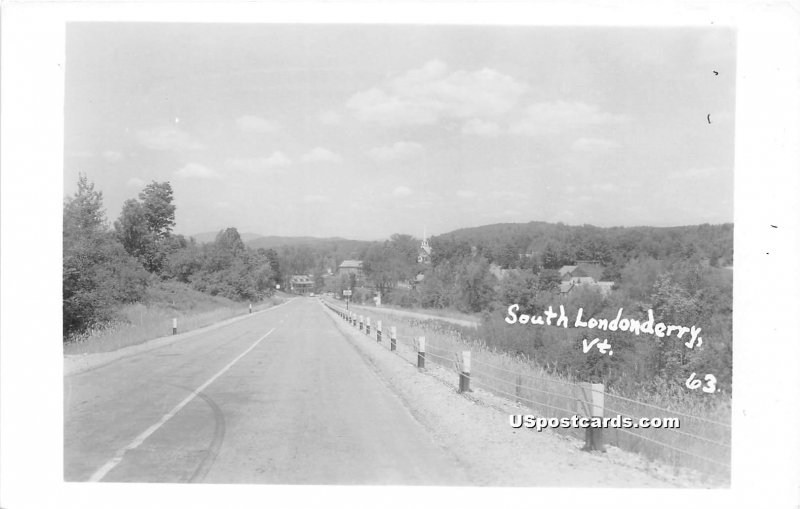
197,171
135,182
426,95
560,116
316,198
402,191
330,118
480,127
593,145
254,124
507,195
398,150
113,156
167,138
608,187
466,194
321,155
274,161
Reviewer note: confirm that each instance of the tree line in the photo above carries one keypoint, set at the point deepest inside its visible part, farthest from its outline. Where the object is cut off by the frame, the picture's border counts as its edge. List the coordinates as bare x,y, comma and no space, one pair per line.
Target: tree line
105,266
681,273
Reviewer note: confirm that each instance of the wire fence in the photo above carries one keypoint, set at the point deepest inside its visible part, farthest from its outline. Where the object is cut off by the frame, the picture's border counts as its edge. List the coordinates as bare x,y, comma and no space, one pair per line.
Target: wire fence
701,443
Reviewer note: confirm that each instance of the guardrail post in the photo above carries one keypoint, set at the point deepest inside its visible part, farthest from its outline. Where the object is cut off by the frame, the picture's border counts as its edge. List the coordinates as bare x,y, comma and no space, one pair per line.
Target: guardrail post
421,352
392,338
251,309
361,322
463,376
368,324
378,331
593,397
174,326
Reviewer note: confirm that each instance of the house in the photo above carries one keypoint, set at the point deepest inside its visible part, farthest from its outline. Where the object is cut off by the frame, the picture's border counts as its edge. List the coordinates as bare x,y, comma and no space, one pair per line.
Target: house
565,287
352,267
582,280
501,273
566,270
605,287
301,284
592,270
410,284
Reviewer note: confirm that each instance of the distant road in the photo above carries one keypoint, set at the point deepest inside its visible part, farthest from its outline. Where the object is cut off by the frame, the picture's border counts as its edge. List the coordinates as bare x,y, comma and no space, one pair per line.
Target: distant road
280,397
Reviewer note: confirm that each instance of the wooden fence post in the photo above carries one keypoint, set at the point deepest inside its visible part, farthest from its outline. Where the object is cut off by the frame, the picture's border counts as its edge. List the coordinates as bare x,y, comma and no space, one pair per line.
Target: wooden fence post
393,338
174,326
463,376
593,398
361,322
368,324
421,352
379,331
251,309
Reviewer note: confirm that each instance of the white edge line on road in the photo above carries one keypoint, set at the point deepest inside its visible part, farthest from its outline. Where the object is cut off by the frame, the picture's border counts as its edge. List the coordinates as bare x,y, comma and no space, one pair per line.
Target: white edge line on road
113,462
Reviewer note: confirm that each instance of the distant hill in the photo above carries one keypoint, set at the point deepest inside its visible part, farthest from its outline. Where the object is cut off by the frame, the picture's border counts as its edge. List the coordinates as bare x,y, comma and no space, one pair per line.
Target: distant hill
588,242
256,241
205,237
273,241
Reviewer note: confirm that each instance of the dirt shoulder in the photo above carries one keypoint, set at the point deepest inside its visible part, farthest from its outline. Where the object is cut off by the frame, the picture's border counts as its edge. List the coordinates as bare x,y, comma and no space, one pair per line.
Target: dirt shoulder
475,428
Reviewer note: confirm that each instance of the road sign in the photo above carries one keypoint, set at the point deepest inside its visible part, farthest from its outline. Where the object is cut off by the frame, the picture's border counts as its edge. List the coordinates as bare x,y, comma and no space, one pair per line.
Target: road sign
347,293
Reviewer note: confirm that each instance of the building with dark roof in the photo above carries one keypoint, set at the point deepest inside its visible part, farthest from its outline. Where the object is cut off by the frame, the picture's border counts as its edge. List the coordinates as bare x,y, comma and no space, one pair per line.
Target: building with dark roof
352,267
301,284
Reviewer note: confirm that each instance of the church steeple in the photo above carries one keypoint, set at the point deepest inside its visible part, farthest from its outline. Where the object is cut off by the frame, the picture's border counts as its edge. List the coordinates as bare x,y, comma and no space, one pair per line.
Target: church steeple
424,255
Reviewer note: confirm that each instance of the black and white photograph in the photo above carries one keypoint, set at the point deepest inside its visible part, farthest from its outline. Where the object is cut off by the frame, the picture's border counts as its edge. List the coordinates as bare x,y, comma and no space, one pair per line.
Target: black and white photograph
382,254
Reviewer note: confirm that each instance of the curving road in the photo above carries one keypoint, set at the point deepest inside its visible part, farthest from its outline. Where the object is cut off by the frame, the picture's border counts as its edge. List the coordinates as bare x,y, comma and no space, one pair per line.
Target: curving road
280,397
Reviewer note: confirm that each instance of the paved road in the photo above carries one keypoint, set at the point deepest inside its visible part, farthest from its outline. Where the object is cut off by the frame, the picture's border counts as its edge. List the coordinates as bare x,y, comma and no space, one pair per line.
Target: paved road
280,397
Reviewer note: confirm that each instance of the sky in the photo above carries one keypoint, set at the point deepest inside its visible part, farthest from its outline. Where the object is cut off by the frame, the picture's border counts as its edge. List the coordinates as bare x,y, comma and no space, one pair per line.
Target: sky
362,131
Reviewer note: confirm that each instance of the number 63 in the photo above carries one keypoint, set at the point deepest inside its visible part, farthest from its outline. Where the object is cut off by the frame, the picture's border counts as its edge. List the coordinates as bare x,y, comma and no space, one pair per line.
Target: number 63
711,383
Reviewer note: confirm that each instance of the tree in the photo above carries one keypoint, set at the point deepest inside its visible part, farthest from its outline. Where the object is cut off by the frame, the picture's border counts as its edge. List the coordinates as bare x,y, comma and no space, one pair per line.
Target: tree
97,271
132,230
475,286
185,262
671,304
508,256
520,288
159,211
144,227
83,212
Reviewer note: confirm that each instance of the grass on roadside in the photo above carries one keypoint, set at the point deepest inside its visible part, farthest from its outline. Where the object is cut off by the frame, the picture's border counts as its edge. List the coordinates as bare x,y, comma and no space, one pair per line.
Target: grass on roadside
152,318
441,313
